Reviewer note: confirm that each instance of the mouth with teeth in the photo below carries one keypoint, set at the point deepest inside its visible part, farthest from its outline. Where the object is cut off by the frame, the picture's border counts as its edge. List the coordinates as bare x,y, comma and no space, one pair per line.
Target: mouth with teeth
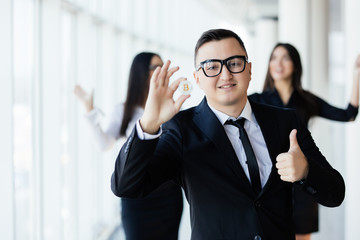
227,86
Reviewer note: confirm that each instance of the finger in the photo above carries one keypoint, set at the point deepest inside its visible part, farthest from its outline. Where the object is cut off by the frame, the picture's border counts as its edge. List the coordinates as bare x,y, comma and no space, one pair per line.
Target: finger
154,78
180,101
175,84
77,89
280,165
283,160
282,172
92,95
293,141
358,61
80,93
163,73
286,179
169,74
281,157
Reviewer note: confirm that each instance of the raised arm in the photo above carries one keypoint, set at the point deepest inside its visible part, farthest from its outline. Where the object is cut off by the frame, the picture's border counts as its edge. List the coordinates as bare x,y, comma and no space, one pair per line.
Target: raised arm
85,98
131,177
104,139
354,99
160,106
349,114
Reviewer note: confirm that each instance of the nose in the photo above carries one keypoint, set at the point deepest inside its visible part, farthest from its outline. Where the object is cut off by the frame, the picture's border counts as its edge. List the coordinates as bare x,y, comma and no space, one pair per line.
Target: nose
278,62
225,73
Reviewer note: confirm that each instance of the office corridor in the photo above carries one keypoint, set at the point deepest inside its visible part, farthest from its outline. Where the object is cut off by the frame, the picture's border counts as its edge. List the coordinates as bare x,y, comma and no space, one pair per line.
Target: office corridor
55,181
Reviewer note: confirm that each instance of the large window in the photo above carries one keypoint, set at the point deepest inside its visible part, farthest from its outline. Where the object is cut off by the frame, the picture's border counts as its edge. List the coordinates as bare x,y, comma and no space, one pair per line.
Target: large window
69,204
23,70
61,181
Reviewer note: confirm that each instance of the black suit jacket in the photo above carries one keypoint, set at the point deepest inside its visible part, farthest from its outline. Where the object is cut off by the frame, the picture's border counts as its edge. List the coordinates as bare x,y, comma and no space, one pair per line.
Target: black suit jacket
195,152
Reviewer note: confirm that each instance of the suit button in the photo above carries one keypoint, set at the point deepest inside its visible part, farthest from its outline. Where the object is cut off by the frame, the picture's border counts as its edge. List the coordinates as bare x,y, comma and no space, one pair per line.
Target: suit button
257,237
301,182
258,204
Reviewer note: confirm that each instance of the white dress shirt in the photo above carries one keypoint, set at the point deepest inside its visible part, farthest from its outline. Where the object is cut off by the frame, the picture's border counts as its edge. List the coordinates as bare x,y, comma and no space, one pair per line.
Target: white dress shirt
256,138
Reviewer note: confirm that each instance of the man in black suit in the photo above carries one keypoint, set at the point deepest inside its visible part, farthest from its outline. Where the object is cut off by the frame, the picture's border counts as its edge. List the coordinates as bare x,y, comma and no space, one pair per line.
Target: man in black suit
237,175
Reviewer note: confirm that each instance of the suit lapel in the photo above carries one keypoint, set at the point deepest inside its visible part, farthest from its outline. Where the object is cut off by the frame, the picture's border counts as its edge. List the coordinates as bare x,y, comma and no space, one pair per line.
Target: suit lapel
269,128
209,124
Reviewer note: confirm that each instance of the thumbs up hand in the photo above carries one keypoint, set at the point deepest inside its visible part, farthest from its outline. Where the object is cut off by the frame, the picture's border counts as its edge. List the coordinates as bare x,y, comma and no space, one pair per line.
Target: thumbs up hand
292,165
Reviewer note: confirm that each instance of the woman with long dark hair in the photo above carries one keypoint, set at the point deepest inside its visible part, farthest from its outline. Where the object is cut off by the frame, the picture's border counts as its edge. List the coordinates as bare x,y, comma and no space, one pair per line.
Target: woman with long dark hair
158,215
282,88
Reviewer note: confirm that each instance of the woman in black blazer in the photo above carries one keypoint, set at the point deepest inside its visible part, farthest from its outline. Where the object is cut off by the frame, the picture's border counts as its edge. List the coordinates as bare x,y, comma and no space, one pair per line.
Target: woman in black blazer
282,88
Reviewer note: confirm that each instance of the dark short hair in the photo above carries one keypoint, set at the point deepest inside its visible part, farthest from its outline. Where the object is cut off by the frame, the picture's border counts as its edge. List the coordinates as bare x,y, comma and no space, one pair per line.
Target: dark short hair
216,35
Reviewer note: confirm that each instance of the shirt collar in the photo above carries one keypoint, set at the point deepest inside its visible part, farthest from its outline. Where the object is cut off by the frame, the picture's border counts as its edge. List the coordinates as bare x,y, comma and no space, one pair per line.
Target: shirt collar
246,113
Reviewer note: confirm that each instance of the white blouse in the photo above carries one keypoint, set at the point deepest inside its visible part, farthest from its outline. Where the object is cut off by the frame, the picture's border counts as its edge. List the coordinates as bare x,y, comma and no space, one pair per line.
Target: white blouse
106,137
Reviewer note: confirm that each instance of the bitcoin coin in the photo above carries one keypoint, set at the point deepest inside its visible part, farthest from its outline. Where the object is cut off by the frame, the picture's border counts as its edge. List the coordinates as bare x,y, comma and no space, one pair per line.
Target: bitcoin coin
185,87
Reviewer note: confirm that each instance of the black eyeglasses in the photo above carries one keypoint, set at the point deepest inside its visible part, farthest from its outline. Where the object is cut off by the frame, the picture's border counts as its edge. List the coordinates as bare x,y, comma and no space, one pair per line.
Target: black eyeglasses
213,67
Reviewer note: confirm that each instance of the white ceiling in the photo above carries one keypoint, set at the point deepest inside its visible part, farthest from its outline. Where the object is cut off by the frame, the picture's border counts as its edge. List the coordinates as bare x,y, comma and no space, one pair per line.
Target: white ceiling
242,11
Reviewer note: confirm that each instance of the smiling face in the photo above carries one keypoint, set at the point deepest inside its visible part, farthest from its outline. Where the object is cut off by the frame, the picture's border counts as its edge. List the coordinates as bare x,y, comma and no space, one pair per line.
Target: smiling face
226,92
281,66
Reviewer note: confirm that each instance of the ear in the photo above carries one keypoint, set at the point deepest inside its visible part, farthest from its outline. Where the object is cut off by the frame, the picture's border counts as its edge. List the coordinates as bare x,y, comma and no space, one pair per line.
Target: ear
196,77
250,70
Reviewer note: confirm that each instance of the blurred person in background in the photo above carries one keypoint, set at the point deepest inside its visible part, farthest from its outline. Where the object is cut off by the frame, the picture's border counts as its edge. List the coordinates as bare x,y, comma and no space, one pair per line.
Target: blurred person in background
282,88
156,216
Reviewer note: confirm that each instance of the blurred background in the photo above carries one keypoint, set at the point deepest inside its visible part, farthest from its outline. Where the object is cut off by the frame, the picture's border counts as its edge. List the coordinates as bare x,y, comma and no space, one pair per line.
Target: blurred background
55,183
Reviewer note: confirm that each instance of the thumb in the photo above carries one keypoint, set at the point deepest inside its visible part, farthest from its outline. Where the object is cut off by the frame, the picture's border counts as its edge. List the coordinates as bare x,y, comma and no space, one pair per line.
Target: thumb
293,140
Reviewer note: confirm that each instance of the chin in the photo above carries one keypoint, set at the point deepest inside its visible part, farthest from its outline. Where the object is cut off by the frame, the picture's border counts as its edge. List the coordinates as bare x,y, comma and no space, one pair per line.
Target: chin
231,102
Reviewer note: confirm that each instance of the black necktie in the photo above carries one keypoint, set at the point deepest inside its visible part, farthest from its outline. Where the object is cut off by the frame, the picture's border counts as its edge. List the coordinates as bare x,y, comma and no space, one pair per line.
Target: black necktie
251,159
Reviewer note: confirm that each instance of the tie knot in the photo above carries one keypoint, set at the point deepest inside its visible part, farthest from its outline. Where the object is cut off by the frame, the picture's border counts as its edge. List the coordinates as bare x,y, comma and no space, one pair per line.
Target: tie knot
238,123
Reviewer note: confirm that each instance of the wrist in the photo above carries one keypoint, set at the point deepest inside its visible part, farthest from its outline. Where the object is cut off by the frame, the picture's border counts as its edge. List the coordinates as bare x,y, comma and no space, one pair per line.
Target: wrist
149,126
89,108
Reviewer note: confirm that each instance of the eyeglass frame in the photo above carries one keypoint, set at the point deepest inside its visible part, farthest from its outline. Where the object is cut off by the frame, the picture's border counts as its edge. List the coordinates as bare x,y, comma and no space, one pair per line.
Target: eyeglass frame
223,62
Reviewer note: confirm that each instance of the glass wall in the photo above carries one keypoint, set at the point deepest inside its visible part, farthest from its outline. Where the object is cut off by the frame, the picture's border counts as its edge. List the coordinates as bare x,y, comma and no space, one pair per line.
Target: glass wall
23,80
56,180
